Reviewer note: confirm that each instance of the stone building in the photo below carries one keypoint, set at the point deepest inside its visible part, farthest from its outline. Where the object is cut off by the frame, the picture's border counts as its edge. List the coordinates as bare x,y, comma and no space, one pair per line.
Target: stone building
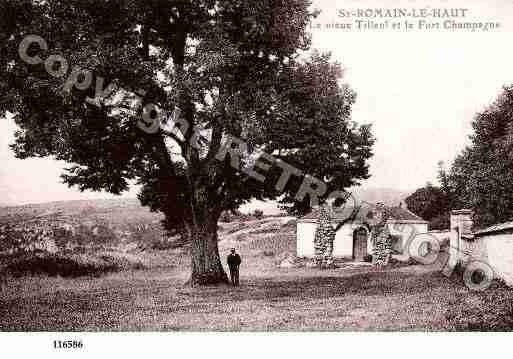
496,243
353,240
490,247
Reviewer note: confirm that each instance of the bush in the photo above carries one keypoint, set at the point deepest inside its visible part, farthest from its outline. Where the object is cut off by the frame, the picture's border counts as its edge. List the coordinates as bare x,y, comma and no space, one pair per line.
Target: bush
226,217
164,244
291,223
440,222
68,266
230,216
57,265
258,214
120,262
397,263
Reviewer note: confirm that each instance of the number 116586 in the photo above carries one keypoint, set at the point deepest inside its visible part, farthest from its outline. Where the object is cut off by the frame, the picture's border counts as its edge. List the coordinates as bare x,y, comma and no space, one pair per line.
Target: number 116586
67,344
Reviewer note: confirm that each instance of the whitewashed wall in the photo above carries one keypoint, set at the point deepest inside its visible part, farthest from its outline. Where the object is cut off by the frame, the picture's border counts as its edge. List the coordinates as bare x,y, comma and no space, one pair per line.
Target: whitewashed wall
406,231
343,246
442,236
499,248
305,238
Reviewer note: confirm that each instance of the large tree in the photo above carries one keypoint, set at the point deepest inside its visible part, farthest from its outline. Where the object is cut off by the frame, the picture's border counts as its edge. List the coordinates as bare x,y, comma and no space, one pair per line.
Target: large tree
481,177
432,204
241,111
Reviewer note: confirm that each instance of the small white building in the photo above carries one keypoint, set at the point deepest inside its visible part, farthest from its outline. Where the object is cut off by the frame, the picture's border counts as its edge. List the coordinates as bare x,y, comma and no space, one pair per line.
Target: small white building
497,245
353,239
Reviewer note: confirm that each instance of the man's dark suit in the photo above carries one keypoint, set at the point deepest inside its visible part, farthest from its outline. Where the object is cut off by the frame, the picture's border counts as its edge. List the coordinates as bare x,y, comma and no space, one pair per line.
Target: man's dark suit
234,262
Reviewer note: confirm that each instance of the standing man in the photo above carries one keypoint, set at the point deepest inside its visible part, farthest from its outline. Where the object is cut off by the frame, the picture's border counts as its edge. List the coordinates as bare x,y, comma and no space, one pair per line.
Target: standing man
234,263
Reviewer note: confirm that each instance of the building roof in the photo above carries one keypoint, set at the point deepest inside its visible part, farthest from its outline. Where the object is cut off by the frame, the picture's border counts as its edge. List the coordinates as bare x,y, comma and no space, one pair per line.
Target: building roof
507,226
365,213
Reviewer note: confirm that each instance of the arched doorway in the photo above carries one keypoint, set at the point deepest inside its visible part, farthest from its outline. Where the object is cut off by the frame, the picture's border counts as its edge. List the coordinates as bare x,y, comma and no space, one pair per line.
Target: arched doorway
360,236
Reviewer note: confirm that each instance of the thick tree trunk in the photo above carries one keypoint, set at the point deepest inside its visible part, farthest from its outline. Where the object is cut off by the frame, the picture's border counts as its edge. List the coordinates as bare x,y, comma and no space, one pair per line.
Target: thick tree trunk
205,261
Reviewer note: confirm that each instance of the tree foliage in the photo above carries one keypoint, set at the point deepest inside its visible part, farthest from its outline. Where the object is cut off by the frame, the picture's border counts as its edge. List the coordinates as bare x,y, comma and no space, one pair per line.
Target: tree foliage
480,177
233,68
431,204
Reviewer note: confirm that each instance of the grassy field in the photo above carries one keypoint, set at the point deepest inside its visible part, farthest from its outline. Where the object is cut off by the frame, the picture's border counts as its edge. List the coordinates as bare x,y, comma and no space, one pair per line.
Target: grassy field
405,298
151,296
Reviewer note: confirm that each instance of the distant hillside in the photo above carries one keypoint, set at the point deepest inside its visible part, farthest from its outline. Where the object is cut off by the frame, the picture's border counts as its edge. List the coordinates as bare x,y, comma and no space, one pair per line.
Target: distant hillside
122,224
130,210
94,237
114,231
79,224
388,196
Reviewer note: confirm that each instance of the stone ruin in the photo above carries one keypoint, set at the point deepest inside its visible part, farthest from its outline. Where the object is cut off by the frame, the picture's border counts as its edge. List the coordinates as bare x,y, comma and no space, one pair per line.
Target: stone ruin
324,239
380,237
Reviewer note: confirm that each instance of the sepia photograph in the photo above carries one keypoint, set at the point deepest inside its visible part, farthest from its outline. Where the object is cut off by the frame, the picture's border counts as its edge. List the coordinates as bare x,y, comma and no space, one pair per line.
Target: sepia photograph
255,166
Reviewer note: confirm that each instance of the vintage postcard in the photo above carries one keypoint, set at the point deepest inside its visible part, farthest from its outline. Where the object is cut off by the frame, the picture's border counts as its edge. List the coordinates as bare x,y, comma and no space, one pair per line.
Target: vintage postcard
263,166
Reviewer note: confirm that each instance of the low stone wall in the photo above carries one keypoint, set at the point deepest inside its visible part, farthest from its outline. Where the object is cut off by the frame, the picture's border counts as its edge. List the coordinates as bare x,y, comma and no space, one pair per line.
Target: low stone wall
499,250
473,250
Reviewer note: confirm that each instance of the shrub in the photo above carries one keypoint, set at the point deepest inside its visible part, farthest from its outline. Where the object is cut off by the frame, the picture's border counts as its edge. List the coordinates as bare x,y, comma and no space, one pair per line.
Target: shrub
226,217
70,265
58,265
241,237
161,243
397,263
243,217
291,223
121,263
230,216
258,214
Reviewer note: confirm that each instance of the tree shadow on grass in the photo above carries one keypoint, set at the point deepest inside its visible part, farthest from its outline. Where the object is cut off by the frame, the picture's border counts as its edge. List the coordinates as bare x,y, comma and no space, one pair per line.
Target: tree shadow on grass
110,308
311,288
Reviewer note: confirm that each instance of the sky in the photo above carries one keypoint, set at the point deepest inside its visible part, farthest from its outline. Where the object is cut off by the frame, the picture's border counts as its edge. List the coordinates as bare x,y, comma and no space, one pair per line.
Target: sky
419,89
